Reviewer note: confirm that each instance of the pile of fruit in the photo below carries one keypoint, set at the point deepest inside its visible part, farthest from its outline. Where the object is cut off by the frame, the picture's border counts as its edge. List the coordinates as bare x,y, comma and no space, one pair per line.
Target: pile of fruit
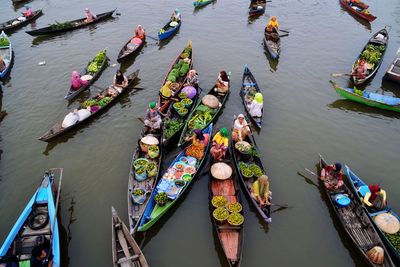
227,211
247,149
161,198
235,219
172,126
234,207
250,170
94,66
138,192
219,201
4,42
373,54
61,25
358,92
152,169
257,171
395,240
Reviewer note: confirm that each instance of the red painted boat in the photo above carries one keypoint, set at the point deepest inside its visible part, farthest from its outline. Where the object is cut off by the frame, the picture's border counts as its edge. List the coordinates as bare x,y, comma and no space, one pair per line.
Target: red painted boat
357,10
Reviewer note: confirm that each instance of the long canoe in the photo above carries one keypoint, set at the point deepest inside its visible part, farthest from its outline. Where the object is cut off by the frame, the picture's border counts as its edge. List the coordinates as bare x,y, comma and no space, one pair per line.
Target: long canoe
247,183
257,7
39,218
249,89
230,237
163,106
7,53
358,11
370,99
75,24
17,23
71,93
136,205
355,222
154,211
375,41
393,72
359,188
167,31
127,52
188,128
57,129
125,250
200,3
274,48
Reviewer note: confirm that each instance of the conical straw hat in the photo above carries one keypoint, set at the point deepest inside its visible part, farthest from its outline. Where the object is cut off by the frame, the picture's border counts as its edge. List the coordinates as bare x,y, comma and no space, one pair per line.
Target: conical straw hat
149,140
221,171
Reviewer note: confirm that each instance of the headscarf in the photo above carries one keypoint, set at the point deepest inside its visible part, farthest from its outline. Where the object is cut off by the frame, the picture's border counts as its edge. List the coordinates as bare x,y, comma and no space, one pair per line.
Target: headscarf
192,73
88,12
139,30
240,116
224,132
152,105
374,189
199,134
165,90
259,98
263,184
338,167
176,10
75,79
26,6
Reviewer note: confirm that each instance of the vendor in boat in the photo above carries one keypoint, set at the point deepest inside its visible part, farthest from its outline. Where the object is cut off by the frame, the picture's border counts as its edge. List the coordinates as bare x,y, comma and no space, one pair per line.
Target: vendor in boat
240,129
220,144
152,119
176,15
89,16
222,84
166,93
332,176
192,79
140,32
260,191
375,198
360,71
255,106
28,12
271,30
76,81
39,257
199,143
120,81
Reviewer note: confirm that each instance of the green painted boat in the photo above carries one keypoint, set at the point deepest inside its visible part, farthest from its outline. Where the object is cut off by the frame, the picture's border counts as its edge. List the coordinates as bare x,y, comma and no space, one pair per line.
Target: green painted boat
370,99
169,187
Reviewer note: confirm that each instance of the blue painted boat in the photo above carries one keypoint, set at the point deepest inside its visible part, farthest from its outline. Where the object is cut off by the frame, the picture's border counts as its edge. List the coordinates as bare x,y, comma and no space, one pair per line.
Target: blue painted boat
7,54
168,185
37,220
360,188
249,88
256,8
168,30
200,3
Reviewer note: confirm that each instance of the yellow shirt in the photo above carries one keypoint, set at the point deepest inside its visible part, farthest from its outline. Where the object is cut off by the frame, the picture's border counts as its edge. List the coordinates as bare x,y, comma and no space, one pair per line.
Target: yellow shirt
273,23
219,139
256,190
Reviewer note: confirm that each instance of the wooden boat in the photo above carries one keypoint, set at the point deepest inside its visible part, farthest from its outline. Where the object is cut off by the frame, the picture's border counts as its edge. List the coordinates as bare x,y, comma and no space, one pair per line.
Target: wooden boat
167,31
75,24
188,129
200,3
163,106
354,221
274,48
167,184
7,54
128,51
370,99
137,204
230,237
57,129
248,90
173,116
358,11
257,7
393,72
17,23
380,38
247,183
359,188
37,220
71,93
125,250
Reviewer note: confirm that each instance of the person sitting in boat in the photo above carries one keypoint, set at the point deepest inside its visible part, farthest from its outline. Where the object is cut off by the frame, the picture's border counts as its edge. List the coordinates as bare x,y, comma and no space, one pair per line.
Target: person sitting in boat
260,191
76,81
89,15
220,144
2,64
120,81
152,119
240,129
192,79
166,93
222,84
332,176
375,198
140,32
199,143
271,30
39,257
176,15
360,71
28,11
255,106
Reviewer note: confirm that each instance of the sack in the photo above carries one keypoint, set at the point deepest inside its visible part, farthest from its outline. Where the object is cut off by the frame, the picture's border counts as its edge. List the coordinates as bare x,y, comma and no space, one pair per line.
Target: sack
70,120
83,114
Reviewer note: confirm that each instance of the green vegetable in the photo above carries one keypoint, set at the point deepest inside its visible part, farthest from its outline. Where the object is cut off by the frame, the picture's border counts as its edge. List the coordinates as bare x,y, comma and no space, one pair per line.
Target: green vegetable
172,126
104,101
61,25
89,103
138,192
140,162
219,201
257,171
95,65
4,42
395,240
242,165
161,198
234,207
220,214
235,219
247,173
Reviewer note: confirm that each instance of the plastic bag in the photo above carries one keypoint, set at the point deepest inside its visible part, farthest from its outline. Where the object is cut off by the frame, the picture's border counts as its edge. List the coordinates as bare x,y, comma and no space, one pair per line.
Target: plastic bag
83,114
70,119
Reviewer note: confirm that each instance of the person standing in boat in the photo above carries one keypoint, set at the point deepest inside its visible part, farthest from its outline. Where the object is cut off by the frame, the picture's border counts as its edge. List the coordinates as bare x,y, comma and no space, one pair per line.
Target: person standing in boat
375,198
255,106
176,15
360,71
153,119
89,16
192,79
28,11
220,144
332,176
240,129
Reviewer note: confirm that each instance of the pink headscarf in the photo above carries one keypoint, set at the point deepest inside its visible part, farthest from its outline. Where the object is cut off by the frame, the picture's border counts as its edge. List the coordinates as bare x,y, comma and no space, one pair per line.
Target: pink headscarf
139,32
76,81
89,14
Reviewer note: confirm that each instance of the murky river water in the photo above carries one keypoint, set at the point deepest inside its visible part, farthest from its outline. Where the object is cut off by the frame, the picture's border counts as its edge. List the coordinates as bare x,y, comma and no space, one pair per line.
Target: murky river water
303,117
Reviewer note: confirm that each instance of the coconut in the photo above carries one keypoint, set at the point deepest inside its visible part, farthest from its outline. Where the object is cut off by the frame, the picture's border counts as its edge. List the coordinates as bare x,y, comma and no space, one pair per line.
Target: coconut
221,171
210,101
376,255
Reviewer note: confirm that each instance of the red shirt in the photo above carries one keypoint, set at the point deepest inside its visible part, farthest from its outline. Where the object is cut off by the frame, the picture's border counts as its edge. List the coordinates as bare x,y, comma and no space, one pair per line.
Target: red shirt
330,172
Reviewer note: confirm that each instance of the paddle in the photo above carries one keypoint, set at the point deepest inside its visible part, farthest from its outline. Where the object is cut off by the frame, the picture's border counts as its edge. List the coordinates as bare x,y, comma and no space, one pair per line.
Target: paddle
308,180
341,74
151,37
283,30
284,35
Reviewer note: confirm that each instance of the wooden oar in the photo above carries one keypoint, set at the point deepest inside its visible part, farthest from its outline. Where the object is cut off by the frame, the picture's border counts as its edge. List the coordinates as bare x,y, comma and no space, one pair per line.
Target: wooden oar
151,37
284,35
341,74
283,30
308,180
